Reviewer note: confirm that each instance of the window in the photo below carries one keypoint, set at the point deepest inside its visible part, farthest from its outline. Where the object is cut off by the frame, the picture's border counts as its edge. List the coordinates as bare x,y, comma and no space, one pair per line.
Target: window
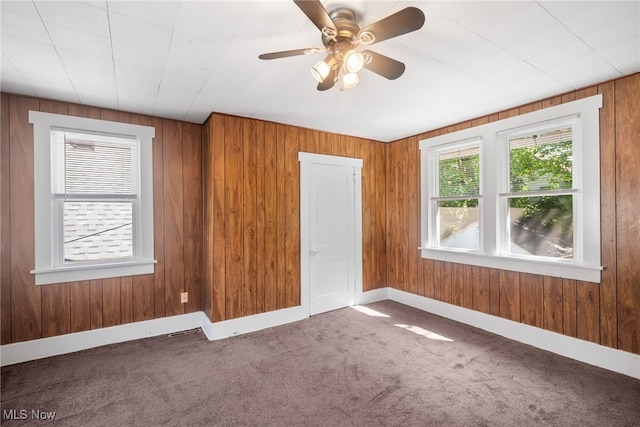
512,194
93,198
537,197
456,199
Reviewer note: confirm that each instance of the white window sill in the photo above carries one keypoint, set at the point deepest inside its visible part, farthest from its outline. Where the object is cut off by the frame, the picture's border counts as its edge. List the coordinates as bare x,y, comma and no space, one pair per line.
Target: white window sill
75,273
556,268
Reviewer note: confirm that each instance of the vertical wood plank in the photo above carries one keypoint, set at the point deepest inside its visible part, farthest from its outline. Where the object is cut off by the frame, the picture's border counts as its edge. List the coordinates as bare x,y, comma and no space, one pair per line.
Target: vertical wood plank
552,302
5,224
26,298
531,299
368,218
80,302
111,115
510,295
270,217
550,102
394,227
111,303
219,281
494,291
292,218
126,299
569,299
260,217
457,284
280,216
192,228
428,268
627,119
55,310
534,106
95,296
446,281
158,220
142,297
381,214
412,190
437,282
249,214
481,289
207,217
588,311
467,301
234,152
608,285
173,213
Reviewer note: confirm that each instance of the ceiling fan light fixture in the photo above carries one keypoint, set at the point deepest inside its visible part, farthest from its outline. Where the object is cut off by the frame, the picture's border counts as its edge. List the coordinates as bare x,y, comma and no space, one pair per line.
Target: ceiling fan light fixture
320,71
353,61
350,80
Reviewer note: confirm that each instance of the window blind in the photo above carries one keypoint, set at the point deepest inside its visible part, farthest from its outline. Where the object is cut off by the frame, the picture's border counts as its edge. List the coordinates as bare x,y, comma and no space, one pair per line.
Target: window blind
93,164
459,172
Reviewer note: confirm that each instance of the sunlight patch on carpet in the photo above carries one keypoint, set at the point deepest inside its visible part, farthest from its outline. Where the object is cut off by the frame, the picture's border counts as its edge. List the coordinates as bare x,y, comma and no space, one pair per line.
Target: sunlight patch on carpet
368,311
423,332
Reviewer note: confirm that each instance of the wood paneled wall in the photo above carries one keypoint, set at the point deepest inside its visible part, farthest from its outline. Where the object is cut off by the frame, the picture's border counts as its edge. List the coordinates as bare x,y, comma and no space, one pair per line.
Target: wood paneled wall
226,221
252,212
29,311
607,313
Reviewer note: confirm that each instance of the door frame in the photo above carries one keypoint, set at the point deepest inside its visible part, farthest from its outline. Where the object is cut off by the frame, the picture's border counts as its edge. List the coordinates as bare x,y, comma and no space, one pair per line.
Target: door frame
307,159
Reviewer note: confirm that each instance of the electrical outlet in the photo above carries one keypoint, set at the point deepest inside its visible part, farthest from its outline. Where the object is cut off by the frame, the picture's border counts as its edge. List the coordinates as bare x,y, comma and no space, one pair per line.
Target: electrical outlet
184,297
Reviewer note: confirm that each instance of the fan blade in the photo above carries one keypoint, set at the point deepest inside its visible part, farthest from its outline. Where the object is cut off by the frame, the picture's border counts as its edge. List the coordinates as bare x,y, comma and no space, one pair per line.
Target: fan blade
330,80
286,53
383,65
317,14
405,21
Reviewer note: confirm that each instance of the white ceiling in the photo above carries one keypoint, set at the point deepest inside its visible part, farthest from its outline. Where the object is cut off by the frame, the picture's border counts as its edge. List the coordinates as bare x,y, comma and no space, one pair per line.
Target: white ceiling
185,59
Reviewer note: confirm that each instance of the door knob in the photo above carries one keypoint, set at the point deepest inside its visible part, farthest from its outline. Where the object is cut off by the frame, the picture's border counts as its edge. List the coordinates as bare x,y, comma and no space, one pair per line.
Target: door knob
313,253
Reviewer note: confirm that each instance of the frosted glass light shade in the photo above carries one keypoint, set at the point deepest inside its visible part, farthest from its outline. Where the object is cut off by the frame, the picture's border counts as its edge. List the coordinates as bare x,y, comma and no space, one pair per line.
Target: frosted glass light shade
353,61
320,71
350,80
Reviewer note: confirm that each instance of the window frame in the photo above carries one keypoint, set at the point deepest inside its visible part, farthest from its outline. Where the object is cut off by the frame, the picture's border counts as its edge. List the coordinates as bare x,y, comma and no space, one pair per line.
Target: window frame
48,221
585,265
433,191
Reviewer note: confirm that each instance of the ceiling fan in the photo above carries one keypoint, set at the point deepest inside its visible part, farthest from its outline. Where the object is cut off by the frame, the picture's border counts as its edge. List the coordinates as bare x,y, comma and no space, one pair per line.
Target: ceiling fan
343,40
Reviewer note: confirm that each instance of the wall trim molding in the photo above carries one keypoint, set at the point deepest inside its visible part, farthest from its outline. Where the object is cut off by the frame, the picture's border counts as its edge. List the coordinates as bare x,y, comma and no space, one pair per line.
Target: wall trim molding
255,322
61,344
584,351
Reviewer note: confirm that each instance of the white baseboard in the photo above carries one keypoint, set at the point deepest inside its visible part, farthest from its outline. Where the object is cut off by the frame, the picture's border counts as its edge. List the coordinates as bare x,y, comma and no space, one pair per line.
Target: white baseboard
62,344
369,297
583,351
256,322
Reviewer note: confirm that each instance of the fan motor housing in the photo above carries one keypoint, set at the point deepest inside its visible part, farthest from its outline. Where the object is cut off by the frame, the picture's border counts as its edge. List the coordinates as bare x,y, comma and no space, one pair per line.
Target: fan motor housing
344,20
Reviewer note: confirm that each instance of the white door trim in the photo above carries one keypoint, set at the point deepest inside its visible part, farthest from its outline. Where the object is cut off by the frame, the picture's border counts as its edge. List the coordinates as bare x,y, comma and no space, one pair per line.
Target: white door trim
307,159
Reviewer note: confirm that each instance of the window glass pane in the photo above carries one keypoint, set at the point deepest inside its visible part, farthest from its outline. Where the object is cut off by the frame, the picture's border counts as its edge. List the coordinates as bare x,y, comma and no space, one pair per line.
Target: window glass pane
542,226
541,161
458,224
97,164
96,231
459,172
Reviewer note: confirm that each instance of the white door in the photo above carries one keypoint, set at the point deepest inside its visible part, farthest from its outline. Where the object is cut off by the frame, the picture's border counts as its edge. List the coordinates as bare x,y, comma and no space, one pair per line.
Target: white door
333,236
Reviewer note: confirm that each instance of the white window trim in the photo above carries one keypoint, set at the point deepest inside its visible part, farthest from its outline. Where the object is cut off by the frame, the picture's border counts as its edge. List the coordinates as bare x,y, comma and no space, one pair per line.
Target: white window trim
432,190
587,268
46,271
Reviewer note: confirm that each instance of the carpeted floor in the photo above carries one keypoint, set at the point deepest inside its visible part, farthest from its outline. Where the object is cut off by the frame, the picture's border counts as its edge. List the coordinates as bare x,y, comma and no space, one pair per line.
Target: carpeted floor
382,365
